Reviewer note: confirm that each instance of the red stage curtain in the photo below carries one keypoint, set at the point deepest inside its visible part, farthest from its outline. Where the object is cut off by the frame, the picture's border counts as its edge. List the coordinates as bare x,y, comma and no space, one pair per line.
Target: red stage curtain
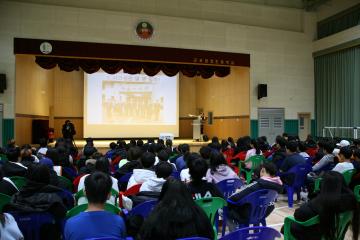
130,67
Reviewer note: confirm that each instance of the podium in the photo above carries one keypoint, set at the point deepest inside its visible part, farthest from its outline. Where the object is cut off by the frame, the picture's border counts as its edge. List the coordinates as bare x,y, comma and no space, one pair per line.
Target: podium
196,129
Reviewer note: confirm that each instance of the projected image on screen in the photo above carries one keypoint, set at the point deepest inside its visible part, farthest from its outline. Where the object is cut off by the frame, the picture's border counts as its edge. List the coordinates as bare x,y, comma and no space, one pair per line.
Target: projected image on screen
130,99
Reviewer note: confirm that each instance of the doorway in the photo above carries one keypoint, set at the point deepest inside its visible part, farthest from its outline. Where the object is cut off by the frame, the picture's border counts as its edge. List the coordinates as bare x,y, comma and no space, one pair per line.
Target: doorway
304,125
271,123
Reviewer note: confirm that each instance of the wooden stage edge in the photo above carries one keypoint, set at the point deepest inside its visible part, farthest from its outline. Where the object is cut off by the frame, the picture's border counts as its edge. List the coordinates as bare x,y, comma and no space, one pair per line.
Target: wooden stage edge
101,144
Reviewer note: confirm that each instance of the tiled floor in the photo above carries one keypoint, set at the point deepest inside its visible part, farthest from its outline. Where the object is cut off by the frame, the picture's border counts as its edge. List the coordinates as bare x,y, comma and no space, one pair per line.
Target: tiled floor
276,218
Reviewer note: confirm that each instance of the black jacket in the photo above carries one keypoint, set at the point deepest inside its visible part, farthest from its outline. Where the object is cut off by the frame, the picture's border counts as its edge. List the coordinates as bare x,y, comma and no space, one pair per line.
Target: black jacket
13,169
311,209
38,197
7,188
241,213
68,130
204,189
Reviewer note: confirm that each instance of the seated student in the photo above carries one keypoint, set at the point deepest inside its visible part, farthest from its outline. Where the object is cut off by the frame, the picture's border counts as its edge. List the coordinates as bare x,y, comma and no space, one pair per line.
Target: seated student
133,161
111,153
176,216
41,152
267,180
180,161
102,165
344,160
198,187
162,170
7,187
279,153
302,150
327,159
13,167
184,174
9,229
205,153
334,198
151,188
38,196
163,156
95,222
219,170
293,158
141,175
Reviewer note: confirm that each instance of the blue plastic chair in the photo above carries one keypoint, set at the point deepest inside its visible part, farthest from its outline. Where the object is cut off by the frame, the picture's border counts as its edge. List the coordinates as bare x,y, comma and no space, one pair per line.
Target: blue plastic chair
259,202
193,238
30,223
261,233
125,178
143,209
299,172
228,186
176,175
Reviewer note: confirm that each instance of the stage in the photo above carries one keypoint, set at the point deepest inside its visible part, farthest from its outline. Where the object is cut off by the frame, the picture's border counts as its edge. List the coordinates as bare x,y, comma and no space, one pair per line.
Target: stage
103,145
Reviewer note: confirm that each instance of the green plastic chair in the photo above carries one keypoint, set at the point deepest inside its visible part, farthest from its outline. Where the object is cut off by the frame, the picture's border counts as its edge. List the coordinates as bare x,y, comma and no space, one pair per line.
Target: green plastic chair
83,207
255,162
19,182
347,176
3,158
211,207
69,184
344,220
357,192
4,199
81,194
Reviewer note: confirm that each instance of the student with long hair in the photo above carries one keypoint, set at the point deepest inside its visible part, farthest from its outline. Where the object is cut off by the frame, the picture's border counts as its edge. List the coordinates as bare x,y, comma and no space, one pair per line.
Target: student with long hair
176,216
219,170
334,198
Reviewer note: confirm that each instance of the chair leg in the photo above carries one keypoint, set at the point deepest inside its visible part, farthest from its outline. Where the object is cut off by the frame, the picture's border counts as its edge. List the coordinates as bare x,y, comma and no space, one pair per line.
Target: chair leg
263,222
223,229
248,176
290,193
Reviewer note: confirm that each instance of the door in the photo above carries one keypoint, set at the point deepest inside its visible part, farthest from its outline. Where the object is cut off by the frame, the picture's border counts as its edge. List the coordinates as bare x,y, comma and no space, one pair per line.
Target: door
304,125
271,123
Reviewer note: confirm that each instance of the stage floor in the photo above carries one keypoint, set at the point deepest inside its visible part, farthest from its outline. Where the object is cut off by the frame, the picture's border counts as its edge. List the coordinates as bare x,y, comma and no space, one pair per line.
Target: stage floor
103,145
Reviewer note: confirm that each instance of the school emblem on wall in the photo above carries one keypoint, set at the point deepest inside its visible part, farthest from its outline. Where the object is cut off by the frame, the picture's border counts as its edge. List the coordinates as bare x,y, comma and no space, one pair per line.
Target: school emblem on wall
144,30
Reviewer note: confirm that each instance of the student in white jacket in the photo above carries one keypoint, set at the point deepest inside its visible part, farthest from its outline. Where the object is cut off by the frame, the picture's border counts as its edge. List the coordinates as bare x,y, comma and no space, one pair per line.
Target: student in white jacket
162,170
139,176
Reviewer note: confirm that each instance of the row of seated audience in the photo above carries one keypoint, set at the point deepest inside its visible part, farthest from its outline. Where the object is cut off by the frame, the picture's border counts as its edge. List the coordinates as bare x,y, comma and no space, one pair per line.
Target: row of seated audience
153,166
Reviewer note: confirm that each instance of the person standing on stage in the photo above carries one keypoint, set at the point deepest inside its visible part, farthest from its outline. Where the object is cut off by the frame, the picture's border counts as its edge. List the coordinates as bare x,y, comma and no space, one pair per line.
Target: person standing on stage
68,130
202,119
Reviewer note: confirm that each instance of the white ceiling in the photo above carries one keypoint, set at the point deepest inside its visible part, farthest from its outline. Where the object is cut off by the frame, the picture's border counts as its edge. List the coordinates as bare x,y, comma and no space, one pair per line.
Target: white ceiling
120,5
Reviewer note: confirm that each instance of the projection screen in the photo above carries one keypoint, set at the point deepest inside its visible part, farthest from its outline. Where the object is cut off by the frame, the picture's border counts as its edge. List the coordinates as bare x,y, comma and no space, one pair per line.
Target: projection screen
130,105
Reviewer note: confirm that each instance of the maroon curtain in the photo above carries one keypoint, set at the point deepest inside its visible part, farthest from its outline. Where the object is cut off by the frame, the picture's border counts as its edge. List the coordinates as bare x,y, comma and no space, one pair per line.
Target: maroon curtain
130,67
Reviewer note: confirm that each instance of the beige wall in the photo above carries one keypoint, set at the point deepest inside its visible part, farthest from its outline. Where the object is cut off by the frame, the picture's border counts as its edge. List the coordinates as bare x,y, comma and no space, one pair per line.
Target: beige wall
57,95
278,39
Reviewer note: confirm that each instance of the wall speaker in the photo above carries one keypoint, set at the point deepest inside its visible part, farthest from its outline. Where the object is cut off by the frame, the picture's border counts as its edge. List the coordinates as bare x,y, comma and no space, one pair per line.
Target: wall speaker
2,82
262,90
210,118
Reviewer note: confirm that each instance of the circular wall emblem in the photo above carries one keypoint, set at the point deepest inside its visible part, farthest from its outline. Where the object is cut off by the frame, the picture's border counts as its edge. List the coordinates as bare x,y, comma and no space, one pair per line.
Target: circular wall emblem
144,30
45,48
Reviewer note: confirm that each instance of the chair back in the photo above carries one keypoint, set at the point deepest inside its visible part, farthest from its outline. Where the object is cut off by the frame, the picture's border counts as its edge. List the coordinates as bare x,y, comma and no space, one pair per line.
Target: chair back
299,171
19,182
81,194
68,183
357,192
176,175
211,206
82,207
261,233
259,202
228,186
4,200
30,224
143,209
341,225
256,160
348,175
125,178
193,238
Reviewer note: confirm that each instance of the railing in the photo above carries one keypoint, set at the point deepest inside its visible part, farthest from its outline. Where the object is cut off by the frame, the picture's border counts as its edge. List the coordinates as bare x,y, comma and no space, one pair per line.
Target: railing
329,129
